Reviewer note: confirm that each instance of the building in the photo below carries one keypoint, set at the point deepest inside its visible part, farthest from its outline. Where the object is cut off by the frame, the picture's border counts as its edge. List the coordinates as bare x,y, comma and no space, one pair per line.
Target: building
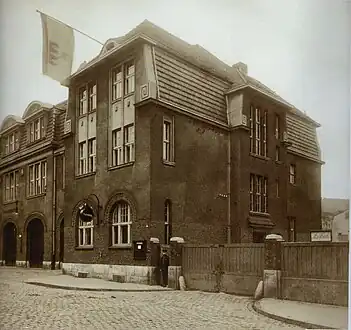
331,207
163,139
32,181
341,227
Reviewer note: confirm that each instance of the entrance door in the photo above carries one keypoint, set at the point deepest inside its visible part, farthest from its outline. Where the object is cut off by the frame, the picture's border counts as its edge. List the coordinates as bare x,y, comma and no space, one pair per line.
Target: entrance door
35,243
9,244
258,236
62,240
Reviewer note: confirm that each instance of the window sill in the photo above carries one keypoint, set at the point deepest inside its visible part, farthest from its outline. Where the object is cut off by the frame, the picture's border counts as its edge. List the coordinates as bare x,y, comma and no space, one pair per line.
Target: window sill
35,196
259,156
88,247
9,202
168,163
81,176
10,153
278,162
260,214
120,247
36,141
87,113
121,166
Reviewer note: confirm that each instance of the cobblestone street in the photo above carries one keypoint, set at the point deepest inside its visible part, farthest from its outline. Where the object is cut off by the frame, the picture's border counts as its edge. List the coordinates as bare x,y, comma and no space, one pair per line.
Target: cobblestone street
25,306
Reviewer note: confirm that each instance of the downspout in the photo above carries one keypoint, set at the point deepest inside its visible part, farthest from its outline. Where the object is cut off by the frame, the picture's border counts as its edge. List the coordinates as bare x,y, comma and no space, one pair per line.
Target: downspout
53,257
229,165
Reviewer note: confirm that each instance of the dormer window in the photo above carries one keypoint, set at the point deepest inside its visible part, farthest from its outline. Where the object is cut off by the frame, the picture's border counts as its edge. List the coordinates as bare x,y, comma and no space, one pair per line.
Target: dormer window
36,129
11,142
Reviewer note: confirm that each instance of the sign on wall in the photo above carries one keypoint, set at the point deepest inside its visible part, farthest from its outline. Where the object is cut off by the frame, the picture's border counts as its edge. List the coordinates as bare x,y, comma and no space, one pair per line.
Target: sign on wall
321,236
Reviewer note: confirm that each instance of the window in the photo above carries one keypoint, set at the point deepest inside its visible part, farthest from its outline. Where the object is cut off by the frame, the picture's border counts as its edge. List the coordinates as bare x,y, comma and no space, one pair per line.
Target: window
92,155
11,143
292,231
117,147
258,194
168,140
277,154
277,127
292,174
82,158
37,178
168,231
258,131
129,143
87,106
121,224
11,186
116,83
129,83
36,129
122,114
85,233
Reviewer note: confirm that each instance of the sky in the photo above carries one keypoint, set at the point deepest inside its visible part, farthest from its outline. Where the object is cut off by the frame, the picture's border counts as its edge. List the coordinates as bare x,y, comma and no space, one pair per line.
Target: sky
299,48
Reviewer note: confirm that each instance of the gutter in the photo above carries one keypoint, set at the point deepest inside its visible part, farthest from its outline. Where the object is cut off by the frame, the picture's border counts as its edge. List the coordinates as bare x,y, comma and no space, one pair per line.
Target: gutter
229,165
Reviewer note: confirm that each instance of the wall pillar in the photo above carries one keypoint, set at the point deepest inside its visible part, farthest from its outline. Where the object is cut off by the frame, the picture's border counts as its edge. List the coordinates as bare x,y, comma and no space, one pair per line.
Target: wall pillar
154,261
175,267
272,268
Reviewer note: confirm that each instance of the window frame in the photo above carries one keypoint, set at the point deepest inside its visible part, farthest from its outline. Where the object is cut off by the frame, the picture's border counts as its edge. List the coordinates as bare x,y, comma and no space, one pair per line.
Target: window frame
258,123
11,186
83,227
292,174
167,221
86,105
37,178
258,194
115,219
277,127
123,153
11,142
168,141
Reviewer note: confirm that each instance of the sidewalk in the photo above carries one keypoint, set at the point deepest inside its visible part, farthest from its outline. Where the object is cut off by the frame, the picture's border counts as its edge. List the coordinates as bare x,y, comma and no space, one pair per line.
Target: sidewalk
68,282
306,315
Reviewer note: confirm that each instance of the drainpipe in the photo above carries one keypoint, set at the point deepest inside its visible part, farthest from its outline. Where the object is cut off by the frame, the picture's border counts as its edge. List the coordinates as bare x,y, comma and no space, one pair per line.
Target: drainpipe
229,165
53,224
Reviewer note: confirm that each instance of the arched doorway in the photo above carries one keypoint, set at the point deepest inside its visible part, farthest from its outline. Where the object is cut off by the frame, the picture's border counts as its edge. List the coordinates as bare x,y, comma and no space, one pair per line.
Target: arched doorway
9,247
35,243
62,240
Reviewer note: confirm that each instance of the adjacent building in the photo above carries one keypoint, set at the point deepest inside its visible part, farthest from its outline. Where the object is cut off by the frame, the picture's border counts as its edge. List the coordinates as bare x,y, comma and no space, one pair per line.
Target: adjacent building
162,139
32,181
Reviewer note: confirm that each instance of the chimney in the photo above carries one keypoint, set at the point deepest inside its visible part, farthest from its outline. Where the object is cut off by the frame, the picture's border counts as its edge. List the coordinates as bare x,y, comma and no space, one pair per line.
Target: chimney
242,67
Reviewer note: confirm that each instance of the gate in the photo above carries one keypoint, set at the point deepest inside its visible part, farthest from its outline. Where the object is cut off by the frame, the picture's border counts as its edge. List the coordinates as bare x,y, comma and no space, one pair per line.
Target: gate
232,268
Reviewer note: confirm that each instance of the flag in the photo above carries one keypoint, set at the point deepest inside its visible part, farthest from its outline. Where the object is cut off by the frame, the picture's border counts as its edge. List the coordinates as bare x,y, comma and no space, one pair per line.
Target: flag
58,48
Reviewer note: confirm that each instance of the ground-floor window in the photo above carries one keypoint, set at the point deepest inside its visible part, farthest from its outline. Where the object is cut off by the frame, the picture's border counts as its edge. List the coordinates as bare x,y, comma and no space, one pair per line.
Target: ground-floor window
121,224
85,233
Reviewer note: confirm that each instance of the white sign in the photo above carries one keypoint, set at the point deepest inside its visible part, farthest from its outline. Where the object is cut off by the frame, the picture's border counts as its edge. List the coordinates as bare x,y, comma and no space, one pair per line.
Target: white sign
321,236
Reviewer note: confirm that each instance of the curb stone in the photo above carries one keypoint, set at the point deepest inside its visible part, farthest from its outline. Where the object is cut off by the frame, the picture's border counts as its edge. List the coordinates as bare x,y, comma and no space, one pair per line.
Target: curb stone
54,286
257,308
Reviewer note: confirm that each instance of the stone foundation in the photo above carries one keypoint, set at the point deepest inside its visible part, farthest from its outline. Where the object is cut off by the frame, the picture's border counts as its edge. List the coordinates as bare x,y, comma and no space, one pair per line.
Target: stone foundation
129,274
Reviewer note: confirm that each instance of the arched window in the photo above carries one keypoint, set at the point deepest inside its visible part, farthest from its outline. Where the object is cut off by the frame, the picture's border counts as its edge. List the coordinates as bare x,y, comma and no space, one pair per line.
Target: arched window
121,224
168,224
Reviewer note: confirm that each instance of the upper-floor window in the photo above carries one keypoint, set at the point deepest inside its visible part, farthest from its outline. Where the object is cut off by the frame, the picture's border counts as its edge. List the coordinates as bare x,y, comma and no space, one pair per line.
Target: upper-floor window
277,154
168,140
258,193
36,129
277,127
11,142
122,114
11,186
37,175
292,174
258,131
87,106
87,100
121,224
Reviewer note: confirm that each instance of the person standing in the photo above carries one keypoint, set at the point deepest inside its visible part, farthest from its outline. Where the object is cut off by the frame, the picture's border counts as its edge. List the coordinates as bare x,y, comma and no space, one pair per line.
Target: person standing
164,263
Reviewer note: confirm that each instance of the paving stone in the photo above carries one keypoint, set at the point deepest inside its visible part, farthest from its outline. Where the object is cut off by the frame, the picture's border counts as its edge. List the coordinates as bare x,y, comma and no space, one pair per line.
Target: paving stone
25,306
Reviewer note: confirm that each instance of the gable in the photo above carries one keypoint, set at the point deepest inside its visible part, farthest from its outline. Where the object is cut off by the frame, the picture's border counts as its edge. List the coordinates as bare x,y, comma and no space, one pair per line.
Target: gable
10,121
35,107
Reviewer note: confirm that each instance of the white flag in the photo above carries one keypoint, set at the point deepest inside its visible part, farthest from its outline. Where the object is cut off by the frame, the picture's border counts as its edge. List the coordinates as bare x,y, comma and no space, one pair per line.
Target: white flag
58,49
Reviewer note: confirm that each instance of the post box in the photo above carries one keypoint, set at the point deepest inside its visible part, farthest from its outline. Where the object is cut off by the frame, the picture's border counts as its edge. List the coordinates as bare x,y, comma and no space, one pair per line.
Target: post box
140,249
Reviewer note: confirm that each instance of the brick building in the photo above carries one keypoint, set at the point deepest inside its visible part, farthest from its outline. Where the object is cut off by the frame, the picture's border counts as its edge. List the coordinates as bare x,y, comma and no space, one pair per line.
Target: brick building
163,139
159,132
31,173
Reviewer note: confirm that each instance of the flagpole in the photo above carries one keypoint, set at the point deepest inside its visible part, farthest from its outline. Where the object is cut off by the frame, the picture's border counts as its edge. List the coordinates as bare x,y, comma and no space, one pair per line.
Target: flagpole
84,34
